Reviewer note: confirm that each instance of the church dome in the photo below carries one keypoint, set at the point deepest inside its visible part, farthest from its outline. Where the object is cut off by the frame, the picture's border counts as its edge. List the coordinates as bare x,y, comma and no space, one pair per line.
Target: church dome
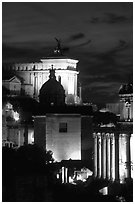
126,89
52,92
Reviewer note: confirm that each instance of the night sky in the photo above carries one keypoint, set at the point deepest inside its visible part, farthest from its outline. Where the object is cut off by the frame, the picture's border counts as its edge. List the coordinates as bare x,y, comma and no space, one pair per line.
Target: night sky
99,35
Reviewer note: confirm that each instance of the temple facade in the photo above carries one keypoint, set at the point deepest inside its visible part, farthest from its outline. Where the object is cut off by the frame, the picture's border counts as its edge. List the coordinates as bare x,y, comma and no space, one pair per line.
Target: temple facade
113,153
113,145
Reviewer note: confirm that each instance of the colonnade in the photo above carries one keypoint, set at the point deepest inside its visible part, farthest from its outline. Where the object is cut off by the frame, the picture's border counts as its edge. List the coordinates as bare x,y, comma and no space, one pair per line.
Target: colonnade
112,156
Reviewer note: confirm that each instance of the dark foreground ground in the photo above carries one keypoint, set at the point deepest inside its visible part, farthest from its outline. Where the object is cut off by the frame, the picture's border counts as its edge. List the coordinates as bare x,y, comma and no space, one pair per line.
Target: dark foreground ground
27,179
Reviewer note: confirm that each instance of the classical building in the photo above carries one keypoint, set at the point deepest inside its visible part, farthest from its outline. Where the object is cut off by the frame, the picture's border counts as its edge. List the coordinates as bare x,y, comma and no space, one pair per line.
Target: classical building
34,75
60,133
124,108
52,92
113,146
17,123
37,100
57,126
26,84
49,123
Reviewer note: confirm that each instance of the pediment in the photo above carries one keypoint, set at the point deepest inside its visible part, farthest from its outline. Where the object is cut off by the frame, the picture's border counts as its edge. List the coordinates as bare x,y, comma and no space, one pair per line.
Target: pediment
14,79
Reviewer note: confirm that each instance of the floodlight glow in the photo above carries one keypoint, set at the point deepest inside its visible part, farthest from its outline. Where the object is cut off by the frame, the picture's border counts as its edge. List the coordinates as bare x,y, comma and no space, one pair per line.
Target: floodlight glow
75,155
16,116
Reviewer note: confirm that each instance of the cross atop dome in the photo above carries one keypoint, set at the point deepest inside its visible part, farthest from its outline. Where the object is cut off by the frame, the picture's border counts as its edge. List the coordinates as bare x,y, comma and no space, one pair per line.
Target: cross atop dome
52,73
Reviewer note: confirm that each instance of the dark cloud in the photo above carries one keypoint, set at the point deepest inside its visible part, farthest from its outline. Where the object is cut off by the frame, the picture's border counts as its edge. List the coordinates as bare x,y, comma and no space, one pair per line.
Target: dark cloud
122,45
103,73
102,91
77,36
99,35
110,56
20,54
113,18
95,20
82,44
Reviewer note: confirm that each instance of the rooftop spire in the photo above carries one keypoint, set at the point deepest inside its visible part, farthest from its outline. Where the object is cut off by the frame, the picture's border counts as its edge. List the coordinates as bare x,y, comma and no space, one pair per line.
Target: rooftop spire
52,73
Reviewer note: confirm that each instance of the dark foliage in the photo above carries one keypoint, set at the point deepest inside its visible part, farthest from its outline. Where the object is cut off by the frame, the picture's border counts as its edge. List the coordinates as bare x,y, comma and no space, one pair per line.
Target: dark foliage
104,118
23,171
29,177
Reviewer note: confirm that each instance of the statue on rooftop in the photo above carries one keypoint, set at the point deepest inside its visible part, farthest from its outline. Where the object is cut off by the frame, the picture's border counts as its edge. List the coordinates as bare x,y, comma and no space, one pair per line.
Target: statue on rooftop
58,44
58,47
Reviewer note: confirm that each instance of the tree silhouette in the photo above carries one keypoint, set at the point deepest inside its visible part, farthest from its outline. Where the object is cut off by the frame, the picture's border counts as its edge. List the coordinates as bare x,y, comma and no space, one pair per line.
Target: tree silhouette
33,158
104,118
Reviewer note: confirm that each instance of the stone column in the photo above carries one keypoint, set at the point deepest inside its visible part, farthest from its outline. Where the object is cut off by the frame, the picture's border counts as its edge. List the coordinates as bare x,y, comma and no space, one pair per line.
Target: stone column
76,84
103,165
95,154
34,85
30,77
131,153
99,154
66,175
42,78
105,156
63,174
128,157
116,156
108,155
112,157
37,87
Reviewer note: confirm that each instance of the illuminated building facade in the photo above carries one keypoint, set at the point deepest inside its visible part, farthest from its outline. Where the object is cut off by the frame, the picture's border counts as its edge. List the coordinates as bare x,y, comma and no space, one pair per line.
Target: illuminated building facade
113,146
34,75
22,81
126,102
60,133
17,130
65,132
53,83
124,108
58,127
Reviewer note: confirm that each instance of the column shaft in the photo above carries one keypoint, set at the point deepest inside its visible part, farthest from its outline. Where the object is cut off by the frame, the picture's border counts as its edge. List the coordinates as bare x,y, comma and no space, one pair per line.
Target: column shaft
113,159
116,157
34,84
95,154
99,156
103,156
108,156
128,157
